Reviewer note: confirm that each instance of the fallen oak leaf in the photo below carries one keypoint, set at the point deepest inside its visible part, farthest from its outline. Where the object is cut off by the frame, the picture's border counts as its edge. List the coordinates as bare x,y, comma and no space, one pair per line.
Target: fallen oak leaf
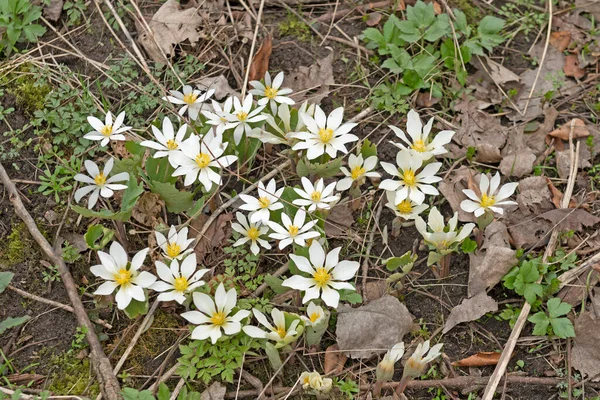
562,133
260,61
480,359
560,40
316,77
569,219
585,354
572,68
470,310
334,360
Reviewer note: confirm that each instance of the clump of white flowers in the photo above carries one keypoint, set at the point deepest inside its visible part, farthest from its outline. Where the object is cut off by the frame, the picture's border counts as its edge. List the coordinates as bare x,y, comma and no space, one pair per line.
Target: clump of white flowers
314,383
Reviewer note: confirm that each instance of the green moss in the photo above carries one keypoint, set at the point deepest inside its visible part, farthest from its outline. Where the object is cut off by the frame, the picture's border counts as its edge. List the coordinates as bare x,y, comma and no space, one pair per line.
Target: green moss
17,245
72,376
30,92
293,26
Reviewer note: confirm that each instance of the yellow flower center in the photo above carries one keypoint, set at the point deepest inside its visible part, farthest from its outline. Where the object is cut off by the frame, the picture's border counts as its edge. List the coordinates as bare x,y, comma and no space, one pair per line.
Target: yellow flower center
419,146
357,172
218,318
203,160
404,207
281,331
106,130
487,201
306,380
253,233
181,284
100,179
293,230
190,98
315,196
321,277
172,145
123,277
409,178
314,316
242,116
173,250
270,92
264,202
326,134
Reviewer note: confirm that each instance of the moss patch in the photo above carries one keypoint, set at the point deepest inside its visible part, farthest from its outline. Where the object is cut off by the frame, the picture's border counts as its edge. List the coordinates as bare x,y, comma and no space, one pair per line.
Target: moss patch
29,92
293,26
72,376
17,245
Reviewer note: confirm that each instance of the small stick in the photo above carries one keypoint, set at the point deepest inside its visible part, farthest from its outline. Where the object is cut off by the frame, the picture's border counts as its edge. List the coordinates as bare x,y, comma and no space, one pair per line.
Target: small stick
54,304
365,265
101,365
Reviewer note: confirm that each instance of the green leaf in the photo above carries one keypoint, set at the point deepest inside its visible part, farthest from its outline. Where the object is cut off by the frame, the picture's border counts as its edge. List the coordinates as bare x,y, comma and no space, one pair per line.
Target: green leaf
440,28
136,308
408,31
468,246
393,263
562,327
11,322
424,64
103,214
94,233
275,284
421,14
460,24
490,25
412,79
163,392
159,169
131,194
433,258
135,148
368,149
350,296
541,322
557,308
5,278
176,201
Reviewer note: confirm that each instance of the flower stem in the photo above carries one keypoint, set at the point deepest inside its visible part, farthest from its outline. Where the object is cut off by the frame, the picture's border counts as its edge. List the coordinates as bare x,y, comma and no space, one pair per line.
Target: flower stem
402,386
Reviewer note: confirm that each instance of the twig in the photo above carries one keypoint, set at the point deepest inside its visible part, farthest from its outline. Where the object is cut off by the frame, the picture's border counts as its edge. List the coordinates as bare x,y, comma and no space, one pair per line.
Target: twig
177,389
280,271
333,16
108,382
23,396
251,54
518,327
365,264
54,304
537,75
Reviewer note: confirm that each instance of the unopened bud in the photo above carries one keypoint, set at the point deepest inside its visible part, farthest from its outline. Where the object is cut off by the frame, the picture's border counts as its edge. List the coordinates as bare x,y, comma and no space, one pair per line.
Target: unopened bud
385,370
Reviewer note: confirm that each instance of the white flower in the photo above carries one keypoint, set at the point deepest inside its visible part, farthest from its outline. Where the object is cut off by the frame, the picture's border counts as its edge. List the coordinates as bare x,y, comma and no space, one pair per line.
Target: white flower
268,200
266,136
250,232
242,117
385,368
415,365
315,314
213,315
326,134
359,169
317,196
293,232
200,157
168,144
178,280
490,198
108,130
191,98
327,274
441,236
272,91
285,116
277,333
219,116
413,184
315,382
118,272
101,184
419,144
175,245
406,208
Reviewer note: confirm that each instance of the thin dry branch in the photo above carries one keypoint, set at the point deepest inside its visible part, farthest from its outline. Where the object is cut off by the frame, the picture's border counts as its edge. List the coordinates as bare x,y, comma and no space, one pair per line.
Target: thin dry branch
108,382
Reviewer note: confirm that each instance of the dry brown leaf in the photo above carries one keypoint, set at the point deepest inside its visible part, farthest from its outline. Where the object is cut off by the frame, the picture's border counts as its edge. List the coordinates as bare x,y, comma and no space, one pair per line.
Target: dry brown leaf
470,310
339,221
585,355
452,188
355,331
260,62
572,68
334,360
374,18
480,359
560,40
477,127
170,25
576,290
437,8
215,237
315,78
425,99
518,164
220,85
569,219
579,131
557,195
375,290
53,10
487,267
534,197
216,391
147,209
499,73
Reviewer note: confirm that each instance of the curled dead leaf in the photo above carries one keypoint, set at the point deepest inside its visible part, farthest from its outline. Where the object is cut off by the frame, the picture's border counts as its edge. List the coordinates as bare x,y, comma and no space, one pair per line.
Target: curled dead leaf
425,99
374,18
147,209
312,82
260,62
480,359
334,360
215,237
562,133
572,68
557,195
470,310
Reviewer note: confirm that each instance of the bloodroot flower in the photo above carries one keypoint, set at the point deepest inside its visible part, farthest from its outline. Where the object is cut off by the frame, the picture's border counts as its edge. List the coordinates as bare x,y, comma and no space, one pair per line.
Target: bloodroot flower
107,130
491,196
178,280
192,100
118,272
100,183
327,275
